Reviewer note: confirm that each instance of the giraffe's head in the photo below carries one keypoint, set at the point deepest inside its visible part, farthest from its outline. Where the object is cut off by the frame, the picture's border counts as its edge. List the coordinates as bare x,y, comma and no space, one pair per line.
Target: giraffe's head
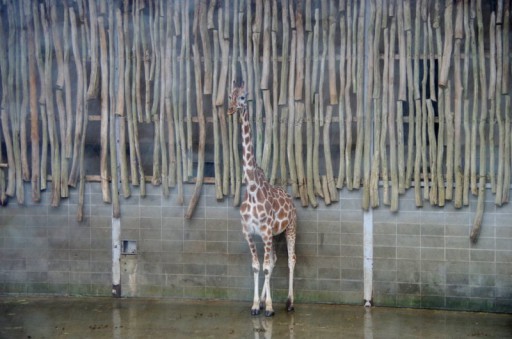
237,98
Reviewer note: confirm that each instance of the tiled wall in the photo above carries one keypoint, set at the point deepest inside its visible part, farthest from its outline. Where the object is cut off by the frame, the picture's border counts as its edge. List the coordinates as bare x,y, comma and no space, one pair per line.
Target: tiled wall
422,257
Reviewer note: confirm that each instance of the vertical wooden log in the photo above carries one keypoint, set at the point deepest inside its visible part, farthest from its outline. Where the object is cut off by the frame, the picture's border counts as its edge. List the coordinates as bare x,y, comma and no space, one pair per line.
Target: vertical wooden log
104,107
301,178
284,54
384,121
316,52
147,56
113,130
477,222
392,120
491,97
348,105
507,151
224,47
81,112
138,60
417,47
440,109
505,76
499,118
465,109
155,112
432,153
3,196
202,132
331,192
424,120
10,189
25,171
79,108
458,99
223,127
309,125
299,54
50,109
59,94
14,108
410,104
68,141
256,94
34,128
368,119
217,114
265,69
94,77
402,85
316,149
163,102
291,119
275,97
331,57
282,149
359,97
176,103
120,104
42,99
476,106
341,106
206,44
448,44
374,178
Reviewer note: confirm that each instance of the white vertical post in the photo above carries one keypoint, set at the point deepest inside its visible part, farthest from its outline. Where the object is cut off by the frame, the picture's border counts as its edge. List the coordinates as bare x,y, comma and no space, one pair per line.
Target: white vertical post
116,257
368,257
368,215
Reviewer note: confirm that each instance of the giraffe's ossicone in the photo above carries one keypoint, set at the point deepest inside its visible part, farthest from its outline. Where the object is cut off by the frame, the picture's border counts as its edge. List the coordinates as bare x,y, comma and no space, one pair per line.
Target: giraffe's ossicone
266,211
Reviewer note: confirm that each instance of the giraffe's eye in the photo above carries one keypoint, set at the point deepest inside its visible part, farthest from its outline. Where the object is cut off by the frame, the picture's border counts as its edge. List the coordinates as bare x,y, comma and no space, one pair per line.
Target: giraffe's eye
242,98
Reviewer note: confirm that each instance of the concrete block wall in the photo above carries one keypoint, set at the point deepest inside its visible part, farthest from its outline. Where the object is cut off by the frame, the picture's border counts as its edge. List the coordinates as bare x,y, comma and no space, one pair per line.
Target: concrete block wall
422,257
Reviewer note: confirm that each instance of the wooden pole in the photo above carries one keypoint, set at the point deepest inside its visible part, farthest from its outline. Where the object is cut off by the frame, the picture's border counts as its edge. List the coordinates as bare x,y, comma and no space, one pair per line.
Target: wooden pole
10,189
341,106
385,120
477,222
50,109
104,107
292,120
331,192
448,44
359,97
94,77
202,133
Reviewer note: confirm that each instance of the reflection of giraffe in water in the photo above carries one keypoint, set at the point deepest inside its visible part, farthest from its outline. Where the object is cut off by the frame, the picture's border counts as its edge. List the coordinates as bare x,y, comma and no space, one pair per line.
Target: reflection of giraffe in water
266,211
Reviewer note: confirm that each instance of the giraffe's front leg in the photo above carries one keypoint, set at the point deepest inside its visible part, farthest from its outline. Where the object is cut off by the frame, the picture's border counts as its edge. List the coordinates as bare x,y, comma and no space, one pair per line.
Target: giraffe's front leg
268,266
273,256
255,308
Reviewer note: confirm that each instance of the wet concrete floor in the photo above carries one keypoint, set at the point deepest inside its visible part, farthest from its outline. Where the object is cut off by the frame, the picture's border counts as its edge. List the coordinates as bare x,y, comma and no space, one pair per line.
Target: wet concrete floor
59,317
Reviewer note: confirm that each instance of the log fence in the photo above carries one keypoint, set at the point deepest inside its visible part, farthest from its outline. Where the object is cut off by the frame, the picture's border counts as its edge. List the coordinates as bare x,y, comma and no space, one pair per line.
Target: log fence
342,95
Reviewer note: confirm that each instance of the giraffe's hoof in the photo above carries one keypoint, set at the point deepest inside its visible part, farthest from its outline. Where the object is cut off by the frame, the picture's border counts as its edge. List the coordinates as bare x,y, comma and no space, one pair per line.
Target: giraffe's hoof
269,313
255,311
289,306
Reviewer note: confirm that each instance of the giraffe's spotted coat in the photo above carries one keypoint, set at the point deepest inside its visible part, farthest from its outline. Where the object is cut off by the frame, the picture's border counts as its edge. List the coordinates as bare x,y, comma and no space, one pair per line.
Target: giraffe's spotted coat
266,211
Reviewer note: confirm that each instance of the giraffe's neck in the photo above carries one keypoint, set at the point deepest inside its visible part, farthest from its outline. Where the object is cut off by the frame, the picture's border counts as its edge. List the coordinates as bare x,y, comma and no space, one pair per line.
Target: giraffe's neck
249,161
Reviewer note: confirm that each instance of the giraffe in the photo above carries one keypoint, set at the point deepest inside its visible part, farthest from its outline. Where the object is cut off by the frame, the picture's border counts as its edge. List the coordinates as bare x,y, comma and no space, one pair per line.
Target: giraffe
266,211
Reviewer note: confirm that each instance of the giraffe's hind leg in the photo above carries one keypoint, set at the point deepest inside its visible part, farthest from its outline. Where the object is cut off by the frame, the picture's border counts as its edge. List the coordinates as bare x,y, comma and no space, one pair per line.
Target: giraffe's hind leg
290,243
273,257
255,309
